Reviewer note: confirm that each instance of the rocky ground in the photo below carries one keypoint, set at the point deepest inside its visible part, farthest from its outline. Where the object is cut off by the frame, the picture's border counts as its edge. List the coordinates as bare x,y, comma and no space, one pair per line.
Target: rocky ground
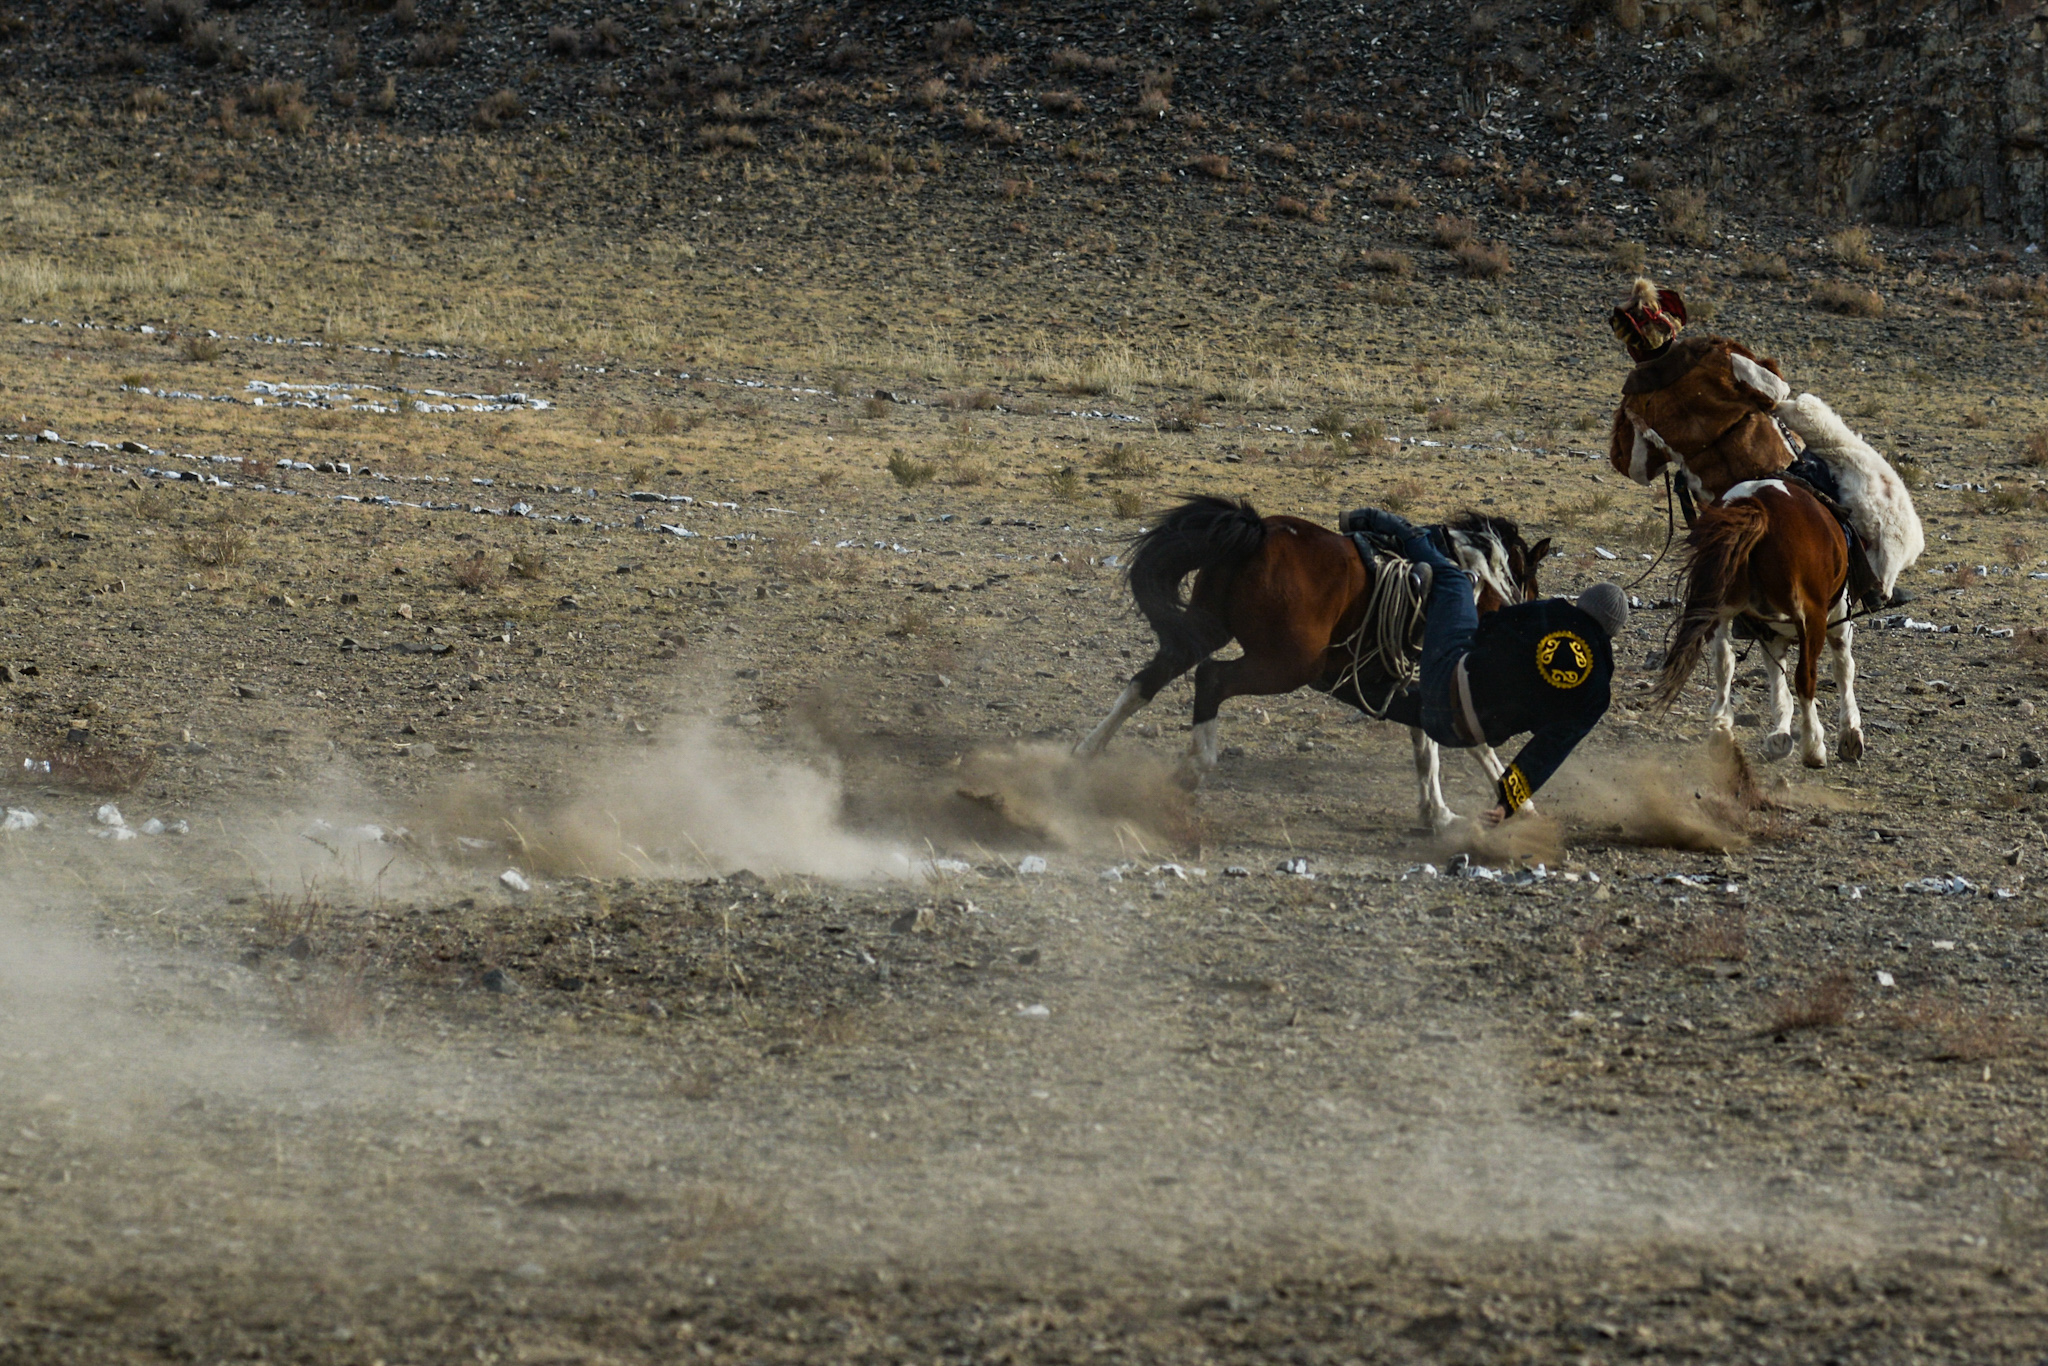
620,891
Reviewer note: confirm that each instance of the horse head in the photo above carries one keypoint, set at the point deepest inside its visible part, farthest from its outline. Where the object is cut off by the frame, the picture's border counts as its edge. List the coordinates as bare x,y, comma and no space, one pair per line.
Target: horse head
1501,563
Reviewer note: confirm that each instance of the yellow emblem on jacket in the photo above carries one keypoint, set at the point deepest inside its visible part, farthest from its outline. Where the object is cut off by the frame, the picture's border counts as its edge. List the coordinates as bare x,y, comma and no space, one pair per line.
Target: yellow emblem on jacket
1564,660
1514,789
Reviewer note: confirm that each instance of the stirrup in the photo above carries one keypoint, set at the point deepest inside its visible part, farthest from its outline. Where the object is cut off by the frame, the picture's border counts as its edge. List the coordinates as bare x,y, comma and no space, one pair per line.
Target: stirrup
1420,577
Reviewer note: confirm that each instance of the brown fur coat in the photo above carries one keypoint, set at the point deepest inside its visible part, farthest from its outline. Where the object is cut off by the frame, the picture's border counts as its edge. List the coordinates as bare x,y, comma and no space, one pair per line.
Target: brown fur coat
1705,403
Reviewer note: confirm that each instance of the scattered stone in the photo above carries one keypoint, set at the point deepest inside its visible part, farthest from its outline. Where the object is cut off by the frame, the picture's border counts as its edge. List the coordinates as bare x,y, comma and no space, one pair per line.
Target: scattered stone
1035,1012
109,814
251,690
300,948
921,920
497,982
1295,867
403,611
18,819
567,602
516,880
2029,757
1030,864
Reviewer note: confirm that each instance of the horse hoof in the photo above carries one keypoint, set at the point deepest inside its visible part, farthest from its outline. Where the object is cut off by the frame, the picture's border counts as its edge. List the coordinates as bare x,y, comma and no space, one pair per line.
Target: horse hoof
1850,747
1778,746
1817,759
1188,776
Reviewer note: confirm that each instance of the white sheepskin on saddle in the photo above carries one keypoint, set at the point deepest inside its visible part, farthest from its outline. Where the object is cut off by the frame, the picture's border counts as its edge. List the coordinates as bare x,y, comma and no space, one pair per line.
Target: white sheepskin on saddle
1872,493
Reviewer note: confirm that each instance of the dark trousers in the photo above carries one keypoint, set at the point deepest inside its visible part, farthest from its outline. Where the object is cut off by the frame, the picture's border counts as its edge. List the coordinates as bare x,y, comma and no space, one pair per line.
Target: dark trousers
1449,620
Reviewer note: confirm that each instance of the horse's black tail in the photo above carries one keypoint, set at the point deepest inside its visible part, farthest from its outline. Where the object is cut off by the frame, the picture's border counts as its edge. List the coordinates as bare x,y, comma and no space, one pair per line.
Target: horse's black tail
1202,533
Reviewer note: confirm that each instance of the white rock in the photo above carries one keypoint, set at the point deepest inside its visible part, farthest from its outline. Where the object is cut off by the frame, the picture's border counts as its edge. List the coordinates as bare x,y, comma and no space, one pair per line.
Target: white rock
109,814
1885,979
152,826
514,879
18,819
1604,553
1030,863
115,832
1035,1012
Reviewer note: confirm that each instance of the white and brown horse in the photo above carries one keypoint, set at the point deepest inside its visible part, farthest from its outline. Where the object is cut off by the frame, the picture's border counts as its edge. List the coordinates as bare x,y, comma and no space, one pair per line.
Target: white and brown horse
1293,595
1768,552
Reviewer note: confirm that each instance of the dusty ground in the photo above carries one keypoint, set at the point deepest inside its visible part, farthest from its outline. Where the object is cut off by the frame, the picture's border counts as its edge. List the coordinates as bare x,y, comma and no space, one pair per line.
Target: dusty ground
785,1055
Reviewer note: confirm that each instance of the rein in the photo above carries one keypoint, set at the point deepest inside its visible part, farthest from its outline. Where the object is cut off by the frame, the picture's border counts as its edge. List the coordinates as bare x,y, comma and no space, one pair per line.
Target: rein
1670,534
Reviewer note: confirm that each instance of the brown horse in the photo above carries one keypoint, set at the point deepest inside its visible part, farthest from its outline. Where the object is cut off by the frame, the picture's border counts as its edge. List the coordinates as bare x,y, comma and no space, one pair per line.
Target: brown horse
1769,553
1293,595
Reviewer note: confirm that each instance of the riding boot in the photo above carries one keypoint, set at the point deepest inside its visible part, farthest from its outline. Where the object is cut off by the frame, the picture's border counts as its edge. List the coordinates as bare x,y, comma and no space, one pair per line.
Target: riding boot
1864,585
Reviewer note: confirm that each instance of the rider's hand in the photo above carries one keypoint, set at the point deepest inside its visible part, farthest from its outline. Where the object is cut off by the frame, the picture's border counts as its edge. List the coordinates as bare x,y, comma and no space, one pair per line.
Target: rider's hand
1495,816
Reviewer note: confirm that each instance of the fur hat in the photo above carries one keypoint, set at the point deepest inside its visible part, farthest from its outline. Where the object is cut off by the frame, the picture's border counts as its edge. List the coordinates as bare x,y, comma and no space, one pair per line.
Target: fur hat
1606,604
1649,320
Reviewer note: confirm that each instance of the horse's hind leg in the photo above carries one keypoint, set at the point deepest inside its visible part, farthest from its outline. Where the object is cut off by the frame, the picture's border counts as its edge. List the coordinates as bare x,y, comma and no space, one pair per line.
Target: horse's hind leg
1137,695
1216,682
1437,816
1779,742
1813,741
1849,745
1723,680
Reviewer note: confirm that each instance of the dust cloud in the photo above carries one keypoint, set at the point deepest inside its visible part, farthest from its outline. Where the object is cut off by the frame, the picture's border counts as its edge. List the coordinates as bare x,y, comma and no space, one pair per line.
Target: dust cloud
701,801
1701,802
1133,805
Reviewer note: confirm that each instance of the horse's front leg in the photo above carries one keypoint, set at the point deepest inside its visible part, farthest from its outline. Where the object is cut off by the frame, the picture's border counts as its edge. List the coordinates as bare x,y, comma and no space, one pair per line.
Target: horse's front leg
1778,743
1849,745
1437,816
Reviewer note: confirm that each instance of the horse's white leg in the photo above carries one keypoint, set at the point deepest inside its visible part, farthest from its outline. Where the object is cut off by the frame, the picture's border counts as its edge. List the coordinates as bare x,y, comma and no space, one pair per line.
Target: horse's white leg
1841,636
1202,744
1778,743
1128,701
1723,680
1437,816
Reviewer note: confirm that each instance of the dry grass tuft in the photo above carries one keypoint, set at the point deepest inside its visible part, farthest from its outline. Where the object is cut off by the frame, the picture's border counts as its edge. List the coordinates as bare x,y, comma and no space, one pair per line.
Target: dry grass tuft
715,135
1128,461
910,472
1211,164
1839,296
528,564
1753,265
1823,1005
2034,451
1383,262
221,546
1588,234
1483,260
1851,247
1065,484
1442,418
496,110
1182,417
1682,214
202,349
475,573
1451,232
1126,504
1400,196
2008,289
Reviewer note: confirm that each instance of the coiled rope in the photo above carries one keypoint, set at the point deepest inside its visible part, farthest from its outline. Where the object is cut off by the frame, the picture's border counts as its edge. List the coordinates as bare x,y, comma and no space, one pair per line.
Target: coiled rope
1388,640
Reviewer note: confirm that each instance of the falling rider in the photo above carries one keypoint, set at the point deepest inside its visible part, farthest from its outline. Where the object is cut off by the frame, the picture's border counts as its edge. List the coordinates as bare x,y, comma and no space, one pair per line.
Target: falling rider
1542,667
